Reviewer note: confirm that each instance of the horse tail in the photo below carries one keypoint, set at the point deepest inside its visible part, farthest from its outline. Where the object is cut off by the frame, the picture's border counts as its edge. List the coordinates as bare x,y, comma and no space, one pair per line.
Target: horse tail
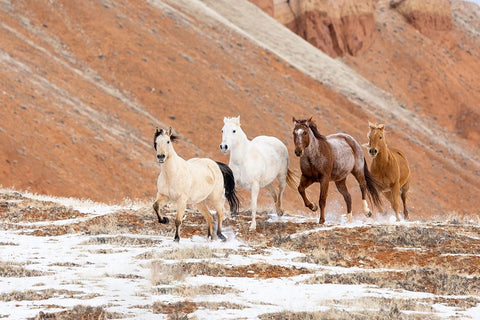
292,179
229,185
373,186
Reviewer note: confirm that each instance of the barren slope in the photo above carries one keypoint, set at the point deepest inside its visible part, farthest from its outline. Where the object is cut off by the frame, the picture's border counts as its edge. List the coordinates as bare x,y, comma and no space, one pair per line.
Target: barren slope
84,85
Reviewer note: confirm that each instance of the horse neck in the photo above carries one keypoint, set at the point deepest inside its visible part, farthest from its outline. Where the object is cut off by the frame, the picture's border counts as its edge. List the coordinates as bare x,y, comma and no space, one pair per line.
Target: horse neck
383,152
173,163
239,150
316,146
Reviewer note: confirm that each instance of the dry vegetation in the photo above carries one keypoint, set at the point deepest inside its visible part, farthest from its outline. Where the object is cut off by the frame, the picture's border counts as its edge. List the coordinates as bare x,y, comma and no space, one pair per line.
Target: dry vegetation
437,260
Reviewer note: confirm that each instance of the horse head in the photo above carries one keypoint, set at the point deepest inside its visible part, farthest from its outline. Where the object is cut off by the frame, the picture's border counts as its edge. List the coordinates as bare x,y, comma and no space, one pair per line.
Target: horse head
162,143
376,139
301,136
230,131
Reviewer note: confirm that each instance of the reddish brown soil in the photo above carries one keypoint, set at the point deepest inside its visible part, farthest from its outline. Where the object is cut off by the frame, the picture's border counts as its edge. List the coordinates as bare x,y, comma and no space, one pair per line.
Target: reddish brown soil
83,86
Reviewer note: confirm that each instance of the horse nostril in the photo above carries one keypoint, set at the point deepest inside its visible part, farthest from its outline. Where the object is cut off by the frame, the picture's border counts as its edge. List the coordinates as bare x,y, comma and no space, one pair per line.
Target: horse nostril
373,151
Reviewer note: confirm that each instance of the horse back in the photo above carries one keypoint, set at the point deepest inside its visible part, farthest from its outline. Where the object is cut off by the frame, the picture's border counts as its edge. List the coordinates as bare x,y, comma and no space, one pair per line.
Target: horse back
347,155
266,158
205,178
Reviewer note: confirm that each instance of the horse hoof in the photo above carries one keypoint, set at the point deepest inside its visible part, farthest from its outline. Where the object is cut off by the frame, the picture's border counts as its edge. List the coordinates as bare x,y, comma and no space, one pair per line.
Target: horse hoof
253,227
221,237
369,214
176,239
165,220
280,213
314,207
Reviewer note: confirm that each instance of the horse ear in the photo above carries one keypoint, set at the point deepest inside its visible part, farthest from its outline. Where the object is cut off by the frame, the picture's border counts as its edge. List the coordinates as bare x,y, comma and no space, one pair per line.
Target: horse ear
169,131
371,125
381,126
366,145
237,120
294,120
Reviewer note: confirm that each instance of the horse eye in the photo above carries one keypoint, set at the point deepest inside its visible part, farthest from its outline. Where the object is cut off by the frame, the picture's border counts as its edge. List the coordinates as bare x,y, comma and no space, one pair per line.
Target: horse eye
304,133
168,141
234,131
380,137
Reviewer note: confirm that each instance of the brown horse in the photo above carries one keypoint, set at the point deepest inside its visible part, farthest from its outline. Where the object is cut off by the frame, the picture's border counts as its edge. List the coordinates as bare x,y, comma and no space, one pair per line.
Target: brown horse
390,167
331,158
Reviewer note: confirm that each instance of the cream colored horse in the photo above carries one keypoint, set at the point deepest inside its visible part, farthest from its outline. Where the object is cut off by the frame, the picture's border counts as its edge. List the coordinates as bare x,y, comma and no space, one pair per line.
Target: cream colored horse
191,182
256,164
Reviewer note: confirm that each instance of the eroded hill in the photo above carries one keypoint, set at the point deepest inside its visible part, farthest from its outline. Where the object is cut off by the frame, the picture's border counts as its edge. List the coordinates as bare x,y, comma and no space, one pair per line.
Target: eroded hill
83,86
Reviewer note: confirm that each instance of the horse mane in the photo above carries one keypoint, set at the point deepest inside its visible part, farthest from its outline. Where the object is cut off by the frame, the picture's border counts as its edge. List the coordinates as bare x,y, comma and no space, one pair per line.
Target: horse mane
173,137
313,126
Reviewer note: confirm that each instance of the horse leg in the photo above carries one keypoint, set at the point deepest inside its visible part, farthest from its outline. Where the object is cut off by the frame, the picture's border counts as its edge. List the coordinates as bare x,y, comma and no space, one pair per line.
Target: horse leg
395,193
255,189
181,205
282,182
403,194
363,189
159,202
323,197
342,188
305,183
219,207
271,189
208,218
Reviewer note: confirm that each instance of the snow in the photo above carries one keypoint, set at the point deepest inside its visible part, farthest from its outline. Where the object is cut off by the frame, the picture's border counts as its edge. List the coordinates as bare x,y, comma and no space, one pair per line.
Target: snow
83,271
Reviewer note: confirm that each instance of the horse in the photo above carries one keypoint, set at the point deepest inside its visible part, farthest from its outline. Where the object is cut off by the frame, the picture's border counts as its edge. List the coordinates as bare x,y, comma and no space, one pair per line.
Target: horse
191,182
256,164
390,167
331,158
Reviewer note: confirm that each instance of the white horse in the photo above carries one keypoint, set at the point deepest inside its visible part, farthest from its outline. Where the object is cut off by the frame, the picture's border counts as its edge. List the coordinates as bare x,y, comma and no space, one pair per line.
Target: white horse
256,163
191,182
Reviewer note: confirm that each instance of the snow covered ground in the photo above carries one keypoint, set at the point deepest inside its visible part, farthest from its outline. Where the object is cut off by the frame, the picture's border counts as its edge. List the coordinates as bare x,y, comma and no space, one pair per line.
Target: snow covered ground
141,275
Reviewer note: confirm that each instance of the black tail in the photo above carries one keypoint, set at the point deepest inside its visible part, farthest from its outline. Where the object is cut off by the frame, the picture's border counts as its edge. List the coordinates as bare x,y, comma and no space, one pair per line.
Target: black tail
373,186
229,184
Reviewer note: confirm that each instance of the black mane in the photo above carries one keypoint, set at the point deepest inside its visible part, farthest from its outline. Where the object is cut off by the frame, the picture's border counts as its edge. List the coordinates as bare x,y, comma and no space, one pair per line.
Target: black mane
159,132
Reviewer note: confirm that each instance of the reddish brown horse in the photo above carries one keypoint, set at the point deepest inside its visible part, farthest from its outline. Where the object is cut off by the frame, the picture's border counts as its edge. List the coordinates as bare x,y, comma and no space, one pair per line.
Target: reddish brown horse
331,158
389,167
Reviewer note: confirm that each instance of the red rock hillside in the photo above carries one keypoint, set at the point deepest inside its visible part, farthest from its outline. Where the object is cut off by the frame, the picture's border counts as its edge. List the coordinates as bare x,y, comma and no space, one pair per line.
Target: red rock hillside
84,84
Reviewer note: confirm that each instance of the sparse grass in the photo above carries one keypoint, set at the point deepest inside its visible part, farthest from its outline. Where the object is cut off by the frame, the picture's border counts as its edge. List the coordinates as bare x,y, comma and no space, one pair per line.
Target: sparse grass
196,252
405,236
80,312
36,294
9,269
362,309
429,280
8,244
121,241
164,274
105,225
190,291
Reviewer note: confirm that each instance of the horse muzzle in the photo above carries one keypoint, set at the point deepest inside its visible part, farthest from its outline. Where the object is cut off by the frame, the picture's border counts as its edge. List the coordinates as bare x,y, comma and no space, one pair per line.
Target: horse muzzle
224,148
298,152
373,152
161,158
